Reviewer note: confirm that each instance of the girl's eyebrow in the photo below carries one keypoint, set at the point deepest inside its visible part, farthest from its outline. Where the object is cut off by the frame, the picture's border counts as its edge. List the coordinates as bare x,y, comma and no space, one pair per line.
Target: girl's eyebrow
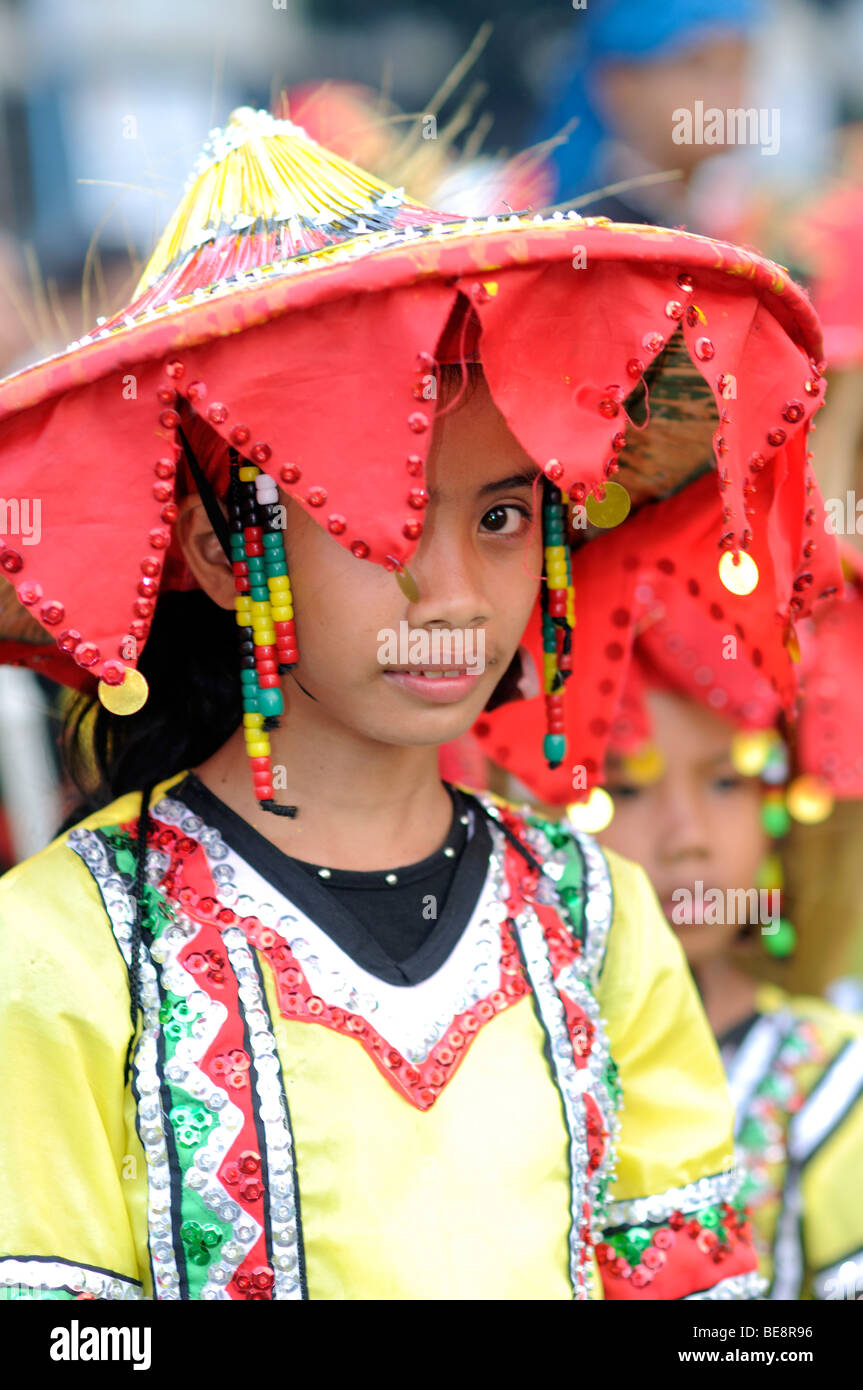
523,479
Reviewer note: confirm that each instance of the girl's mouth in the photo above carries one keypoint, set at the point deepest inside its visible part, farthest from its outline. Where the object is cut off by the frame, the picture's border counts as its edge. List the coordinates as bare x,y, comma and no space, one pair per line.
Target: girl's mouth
442,685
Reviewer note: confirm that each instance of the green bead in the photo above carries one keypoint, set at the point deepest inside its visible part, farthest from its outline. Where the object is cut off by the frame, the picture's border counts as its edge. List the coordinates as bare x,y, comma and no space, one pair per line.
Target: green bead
198,1257
775,819
270,703
191,1232
709,1217
782,942
259,593
638,1239
212,1236
272,540
248,676
554,748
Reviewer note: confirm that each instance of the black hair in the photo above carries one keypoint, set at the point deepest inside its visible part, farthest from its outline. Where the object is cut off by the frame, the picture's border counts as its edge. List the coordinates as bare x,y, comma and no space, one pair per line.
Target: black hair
193,707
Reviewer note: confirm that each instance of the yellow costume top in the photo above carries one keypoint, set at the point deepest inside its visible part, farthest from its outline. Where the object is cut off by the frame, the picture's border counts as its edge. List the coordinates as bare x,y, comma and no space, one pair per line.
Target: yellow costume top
796,1075
539,1114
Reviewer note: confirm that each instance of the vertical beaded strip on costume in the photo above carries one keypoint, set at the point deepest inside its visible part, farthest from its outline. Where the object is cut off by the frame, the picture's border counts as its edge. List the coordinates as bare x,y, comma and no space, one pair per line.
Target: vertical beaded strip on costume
558,618
264,612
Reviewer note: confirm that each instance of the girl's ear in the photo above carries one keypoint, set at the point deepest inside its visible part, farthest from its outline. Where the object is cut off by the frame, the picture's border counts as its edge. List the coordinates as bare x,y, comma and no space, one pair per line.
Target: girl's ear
203,552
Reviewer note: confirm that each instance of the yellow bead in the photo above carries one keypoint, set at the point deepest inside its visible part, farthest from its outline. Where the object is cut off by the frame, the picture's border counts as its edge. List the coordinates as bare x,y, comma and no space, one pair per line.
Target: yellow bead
259,749
265,637
283,615
278,583
253,721
555,552
260,608
249,473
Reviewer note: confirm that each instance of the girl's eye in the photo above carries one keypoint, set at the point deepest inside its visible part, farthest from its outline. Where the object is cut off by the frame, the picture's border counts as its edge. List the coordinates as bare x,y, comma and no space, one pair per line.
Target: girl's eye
623,791
505,520
727,782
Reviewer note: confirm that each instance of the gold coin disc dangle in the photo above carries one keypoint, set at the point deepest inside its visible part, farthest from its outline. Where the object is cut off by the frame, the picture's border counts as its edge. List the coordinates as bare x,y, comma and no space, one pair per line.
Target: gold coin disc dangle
126,698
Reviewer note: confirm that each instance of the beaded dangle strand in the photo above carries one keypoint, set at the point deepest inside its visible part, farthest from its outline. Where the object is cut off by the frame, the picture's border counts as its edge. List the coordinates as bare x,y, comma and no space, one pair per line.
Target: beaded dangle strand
265,616
557,599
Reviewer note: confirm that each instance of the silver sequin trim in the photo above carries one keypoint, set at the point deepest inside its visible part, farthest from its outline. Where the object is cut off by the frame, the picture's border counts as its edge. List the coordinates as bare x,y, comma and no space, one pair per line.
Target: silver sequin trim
742,1286
273,1113
32,1275
120,910
569,1079
412,1021
704,1192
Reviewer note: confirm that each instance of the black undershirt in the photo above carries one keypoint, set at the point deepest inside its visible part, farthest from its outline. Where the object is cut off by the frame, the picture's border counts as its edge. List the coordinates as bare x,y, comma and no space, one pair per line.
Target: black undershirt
402,932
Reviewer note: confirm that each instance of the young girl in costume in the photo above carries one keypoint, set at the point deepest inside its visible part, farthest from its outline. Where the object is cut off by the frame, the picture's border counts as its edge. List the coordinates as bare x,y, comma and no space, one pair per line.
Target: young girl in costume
705,803
336,1029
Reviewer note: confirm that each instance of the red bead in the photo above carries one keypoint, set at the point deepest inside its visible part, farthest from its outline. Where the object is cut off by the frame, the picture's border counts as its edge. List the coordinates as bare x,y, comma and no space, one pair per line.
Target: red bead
618,441
113,672
169,513
242,584
265,653
139,630
254,548
217,413
260,452
674,309
704,349
336,524
359,549
29,592
174,368
635,367
68,640
166,395
316,496
776,437
268,682
412,530
240,567
196,390
609,408
261,777
86,654
414,464
148,588
253,533
169,419
794,411
267,668
151,565
163,492
264,792
685,280
418,498
240,434
285,629
11,561
52,612
290,473
142,608
653,342
159,538
418,422
259,764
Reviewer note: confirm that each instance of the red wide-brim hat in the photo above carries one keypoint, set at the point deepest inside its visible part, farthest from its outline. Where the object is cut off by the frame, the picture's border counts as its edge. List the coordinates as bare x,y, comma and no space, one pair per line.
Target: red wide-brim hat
297,306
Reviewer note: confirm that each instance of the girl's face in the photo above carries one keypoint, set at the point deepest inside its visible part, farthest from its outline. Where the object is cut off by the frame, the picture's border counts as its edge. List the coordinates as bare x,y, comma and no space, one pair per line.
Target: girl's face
700,819
477,569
